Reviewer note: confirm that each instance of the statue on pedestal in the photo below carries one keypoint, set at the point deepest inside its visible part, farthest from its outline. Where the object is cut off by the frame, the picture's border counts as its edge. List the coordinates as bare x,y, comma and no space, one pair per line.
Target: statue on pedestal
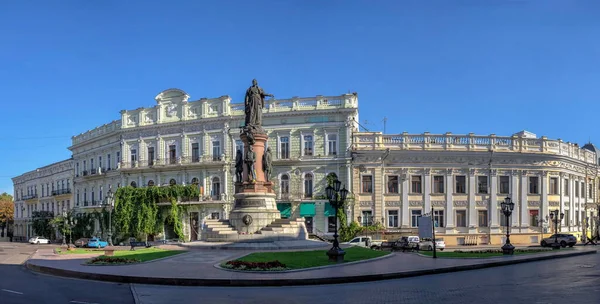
239,166
267,164
250,159
254,102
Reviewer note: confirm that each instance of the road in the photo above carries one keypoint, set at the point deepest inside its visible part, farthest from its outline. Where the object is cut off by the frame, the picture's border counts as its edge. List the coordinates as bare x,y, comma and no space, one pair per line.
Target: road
573,280
19,285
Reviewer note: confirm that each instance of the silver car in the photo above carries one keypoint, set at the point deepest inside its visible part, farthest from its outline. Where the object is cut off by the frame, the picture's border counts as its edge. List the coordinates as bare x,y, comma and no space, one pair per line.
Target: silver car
563,239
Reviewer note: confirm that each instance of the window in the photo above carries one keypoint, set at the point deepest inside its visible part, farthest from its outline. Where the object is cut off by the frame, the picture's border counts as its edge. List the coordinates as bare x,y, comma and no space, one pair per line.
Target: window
216,150
101,190
414,218
582,190
415,184
133,156
77,170
482,184
534,218
576,189
172,182
392,218
285,184
331,144
392,183
504,185
438,218
172,154
150,156
308,185
68,184
84,168
216,188
118,157
195,181
284,147
133,184
461,184
367,218
77,197
438,184
590,191
100,161
93,197
461,218
308,145
367,184
482,218
553,185
150,183
92,165
331,223
108,162
195,153
567,221
533,185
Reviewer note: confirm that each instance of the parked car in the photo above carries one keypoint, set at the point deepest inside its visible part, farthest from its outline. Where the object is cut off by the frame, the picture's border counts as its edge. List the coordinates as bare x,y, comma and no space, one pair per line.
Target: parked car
39,240
365,241
82,242
427,244
563,239
96,243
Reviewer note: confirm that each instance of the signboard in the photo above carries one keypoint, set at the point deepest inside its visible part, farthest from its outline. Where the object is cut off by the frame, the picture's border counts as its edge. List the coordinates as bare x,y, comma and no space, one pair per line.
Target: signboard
425,228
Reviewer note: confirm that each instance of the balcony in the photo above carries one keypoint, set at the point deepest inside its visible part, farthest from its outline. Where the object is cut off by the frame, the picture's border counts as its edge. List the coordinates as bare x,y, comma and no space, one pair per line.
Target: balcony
206,159
29,197
93,171
61,192
85,173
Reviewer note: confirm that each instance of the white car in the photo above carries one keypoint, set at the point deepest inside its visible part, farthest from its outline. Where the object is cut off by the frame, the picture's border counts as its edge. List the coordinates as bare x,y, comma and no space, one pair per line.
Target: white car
427,244
38,240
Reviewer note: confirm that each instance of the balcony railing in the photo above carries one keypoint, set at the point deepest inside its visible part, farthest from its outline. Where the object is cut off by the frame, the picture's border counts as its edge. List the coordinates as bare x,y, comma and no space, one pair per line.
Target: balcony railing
61,191
470,142
205,159
29,196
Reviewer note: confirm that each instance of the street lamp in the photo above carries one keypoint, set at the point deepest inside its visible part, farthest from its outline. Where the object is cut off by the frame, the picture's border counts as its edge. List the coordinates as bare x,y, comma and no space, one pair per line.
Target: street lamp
70,222
337,199
507,208
556,217
109,201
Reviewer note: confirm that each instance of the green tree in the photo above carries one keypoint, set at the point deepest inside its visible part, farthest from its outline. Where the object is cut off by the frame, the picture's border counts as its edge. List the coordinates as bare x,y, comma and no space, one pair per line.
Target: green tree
41,223
6,212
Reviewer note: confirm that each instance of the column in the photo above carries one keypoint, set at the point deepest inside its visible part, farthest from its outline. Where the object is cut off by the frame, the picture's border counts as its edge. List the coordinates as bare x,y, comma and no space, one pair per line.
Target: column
524,211
427,191
561,200
405,222
544,205
571,200
449,203
514,196
493,202
472,216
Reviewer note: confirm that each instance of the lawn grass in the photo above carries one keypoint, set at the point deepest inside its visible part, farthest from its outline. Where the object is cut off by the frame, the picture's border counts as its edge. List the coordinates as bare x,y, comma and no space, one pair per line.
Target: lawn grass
451,254
314,258
142,255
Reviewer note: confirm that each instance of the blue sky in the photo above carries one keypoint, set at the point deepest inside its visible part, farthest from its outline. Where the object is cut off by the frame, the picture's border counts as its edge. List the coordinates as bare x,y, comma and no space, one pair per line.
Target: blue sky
438,66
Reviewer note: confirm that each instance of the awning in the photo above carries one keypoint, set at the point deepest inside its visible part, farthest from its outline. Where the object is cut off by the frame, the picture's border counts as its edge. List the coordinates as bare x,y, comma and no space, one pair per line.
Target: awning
307,209
329,210
285,209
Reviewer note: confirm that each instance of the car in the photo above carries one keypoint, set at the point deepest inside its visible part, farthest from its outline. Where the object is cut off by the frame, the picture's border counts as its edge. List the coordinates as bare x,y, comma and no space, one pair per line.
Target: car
427,244
82,242
39,240
96,243
365,241
563,239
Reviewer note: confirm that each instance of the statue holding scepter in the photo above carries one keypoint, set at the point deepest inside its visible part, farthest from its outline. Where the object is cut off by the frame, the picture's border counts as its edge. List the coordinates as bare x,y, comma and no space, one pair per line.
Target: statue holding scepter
254,102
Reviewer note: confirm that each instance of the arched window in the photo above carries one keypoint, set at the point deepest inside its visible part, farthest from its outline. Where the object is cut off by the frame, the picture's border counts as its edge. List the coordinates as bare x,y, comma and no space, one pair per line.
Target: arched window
216,188
308,185
150,183
172,182
195,181
285,184
134,184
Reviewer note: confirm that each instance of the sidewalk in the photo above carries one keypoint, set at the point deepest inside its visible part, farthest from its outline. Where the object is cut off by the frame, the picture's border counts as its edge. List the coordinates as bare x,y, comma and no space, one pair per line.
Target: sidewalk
196,268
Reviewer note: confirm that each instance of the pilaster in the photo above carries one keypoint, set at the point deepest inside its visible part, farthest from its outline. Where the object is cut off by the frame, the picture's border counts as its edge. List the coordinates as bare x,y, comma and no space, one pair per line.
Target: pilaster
523,202
472,216
405,222
449,202
427,191
493,202
544,205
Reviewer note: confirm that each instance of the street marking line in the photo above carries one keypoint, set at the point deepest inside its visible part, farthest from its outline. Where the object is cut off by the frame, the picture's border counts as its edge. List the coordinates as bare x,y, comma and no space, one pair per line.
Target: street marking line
79,302
12,291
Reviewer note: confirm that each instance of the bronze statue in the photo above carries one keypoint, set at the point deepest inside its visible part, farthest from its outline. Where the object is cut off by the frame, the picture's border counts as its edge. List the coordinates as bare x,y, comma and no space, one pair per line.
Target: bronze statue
267,165
250,159
254,102
239,166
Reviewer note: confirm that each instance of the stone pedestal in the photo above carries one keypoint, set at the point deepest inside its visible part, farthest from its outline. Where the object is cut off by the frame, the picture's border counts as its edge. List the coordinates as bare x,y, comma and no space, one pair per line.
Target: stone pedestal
255,205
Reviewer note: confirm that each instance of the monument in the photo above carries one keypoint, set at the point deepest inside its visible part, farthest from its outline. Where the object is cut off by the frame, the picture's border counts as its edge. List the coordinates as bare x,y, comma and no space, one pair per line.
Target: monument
254,195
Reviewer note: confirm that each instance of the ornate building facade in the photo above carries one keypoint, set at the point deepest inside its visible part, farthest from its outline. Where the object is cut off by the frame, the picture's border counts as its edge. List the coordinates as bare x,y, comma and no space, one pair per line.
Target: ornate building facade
44,189
462,179
194,142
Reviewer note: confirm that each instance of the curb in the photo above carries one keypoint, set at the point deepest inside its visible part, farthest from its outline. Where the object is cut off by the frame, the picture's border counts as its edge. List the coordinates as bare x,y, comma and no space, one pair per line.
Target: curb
285,282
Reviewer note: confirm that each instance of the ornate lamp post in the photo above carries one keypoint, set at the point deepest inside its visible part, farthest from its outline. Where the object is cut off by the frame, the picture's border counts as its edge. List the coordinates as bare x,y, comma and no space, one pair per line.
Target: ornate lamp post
70,222
556,217
337,199
109,202
507,208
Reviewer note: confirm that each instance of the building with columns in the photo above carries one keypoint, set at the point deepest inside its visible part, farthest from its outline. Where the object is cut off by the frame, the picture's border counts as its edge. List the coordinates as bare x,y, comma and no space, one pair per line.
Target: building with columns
179,141
462,179
44,189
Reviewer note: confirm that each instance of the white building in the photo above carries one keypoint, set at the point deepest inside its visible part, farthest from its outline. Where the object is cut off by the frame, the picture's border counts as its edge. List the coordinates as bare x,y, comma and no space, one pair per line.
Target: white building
44,189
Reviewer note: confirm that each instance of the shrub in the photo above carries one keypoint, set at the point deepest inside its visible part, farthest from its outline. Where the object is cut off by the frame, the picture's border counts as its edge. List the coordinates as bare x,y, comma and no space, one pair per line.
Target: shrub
101,260
500,251
242,265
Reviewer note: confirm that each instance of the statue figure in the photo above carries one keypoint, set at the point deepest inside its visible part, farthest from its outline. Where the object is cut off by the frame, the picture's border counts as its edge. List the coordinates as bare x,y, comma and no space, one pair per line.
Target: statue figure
267,165
239,166
254,102
250,159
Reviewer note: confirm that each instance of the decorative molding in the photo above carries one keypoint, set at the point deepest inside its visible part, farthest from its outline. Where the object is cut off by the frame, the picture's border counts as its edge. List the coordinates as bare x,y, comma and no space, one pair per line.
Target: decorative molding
415,203
554,203
366,204
393,204
461,203
483,203
533,203
438,203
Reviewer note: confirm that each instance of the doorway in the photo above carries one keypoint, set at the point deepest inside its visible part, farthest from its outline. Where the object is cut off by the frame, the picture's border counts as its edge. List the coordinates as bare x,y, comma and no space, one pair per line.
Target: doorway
194,226
309,224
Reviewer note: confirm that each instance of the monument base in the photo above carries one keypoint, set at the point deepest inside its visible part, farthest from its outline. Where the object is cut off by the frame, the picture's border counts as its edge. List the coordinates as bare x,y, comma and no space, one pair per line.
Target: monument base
253,211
